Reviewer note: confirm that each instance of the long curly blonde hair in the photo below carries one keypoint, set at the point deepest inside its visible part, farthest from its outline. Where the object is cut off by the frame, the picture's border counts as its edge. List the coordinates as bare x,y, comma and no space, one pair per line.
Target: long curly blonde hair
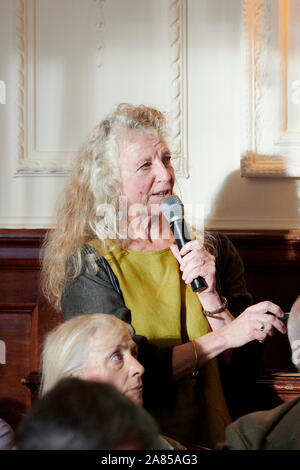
94,181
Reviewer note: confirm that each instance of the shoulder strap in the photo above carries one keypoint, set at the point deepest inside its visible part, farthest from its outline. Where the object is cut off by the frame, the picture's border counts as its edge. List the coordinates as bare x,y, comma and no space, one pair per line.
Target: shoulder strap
104,265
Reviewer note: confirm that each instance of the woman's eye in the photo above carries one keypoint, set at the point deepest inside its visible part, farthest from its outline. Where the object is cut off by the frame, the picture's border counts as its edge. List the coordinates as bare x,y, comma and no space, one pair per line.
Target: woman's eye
145,166
167,159
117,357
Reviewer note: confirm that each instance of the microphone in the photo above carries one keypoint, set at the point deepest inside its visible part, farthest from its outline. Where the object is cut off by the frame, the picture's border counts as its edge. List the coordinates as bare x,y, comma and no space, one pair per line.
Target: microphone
173,211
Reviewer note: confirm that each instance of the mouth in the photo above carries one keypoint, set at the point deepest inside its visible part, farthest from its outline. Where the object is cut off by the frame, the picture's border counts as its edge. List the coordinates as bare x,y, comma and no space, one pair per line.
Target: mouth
138,390
136,394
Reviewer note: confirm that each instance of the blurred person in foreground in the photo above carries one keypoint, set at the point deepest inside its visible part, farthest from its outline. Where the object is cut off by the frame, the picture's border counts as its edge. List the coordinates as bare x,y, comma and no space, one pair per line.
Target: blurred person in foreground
81,415
278,428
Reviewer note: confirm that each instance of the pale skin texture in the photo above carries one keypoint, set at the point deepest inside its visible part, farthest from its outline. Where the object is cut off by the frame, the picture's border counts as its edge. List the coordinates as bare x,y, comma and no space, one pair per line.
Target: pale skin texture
112,358
145,171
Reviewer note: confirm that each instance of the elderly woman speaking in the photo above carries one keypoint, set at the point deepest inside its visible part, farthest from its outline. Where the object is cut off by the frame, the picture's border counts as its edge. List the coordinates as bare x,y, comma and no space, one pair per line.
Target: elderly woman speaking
111,252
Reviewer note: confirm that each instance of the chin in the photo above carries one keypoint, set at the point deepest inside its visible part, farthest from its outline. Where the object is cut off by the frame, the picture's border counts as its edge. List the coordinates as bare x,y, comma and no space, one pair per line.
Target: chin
139,401
155,210
136,398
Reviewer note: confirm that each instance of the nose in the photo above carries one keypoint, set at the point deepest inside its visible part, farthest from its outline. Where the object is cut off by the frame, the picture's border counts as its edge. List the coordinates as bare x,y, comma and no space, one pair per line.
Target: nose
162,173
136,367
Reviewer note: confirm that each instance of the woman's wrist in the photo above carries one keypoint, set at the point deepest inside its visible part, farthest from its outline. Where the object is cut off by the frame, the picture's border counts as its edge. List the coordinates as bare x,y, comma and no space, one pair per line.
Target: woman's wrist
217,311
210,300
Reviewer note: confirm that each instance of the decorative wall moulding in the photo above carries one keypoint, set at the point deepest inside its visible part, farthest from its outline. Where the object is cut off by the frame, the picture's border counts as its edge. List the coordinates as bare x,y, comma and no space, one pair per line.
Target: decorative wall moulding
42,151
30,160
179,112
270,89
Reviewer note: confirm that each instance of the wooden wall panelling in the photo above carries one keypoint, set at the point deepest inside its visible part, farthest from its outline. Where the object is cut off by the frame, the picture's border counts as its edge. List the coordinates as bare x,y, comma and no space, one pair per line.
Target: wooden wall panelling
20,252
22,324
272,271
18,330
272,262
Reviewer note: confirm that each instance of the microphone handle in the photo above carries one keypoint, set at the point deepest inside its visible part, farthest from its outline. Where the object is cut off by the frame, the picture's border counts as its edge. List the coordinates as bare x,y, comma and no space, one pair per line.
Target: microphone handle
182,236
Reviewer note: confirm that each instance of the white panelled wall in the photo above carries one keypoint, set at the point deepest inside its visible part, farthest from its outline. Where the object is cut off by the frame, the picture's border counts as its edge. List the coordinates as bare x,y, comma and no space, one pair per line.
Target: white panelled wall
66,63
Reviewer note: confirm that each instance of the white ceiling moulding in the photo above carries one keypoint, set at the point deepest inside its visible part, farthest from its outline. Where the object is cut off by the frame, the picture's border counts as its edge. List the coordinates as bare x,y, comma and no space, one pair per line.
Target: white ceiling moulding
219,223
28,222
270,120
49,159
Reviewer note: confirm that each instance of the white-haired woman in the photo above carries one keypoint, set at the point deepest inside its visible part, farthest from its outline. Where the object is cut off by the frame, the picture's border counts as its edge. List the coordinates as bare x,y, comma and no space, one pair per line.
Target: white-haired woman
93,347
97,348
110,253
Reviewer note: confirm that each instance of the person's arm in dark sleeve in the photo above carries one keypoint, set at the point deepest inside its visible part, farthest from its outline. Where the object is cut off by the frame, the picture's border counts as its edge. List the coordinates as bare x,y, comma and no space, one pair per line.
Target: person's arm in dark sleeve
231,276
90,294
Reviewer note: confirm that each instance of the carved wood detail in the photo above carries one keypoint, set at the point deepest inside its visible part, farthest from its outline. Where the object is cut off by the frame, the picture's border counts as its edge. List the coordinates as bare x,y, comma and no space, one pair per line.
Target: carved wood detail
54,165
178,51
277,388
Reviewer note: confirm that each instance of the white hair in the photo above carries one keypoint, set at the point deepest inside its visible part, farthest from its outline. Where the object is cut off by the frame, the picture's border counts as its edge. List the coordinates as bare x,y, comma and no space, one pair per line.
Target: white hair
92,196
65,349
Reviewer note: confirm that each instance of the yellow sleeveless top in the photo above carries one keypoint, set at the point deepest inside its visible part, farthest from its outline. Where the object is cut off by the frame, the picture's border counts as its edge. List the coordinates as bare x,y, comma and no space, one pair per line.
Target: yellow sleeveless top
167,312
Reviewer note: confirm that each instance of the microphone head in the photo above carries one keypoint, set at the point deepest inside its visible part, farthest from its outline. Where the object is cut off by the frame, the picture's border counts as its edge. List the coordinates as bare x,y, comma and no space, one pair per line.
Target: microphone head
172,208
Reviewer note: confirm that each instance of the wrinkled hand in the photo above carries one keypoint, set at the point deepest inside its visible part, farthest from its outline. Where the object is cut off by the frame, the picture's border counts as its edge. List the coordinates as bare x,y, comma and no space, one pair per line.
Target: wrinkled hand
253,324
195,261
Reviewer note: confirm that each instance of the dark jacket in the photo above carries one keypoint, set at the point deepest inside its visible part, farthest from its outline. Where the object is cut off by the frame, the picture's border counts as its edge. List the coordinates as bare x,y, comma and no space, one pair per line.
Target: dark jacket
276,429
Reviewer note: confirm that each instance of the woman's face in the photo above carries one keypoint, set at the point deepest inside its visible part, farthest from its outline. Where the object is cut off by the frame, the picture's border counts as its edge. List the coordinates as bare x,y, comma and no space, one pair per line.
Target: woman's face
112,358
147,175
